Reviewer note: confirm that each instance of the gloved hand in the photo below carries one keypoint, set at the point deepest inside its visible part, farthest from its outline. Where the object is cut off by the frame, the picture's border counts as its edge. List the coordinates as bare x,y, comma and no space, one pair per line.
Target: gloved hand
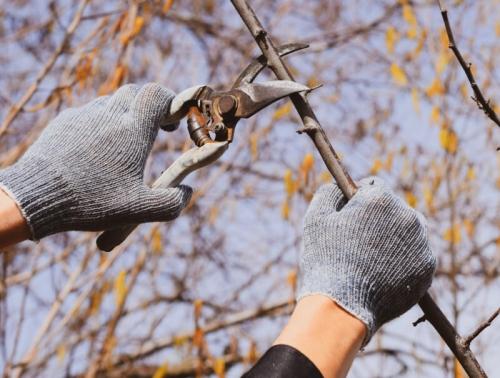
85,171
370,255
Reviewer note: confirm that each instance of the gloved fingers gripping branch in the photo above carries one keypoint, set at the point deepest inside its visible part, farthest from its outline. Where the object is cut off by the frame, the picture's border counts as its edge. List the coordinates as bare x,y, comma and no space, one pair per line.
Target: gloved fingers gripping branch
327,200
372,256
85,171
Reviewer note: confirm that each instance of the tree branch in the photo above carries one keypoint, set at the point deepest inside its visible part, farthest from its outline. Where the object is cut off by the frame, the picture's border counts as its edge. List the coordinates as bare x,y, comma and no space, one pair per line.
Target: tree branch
18,107
481,327
478,98
231,321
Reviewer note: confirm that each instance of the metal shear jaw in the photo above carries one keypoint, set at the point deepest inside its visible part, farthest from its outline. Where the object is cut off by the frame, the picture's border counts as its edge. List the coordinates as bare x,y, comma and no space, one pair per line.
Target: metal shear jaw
180,103
217,112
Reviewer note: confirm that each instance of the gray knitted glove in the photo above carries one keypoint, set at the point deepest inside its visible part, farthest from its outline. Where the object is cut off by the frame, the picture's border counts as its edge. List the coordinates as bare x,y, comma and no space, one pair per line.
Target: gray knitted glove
85,171
371,255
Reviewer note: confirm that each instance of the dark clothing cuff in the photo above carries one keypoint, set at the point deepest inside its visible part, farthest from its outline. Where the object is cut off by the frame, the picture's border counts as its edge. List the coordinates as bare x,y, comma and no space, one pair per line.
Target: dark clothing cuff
282,361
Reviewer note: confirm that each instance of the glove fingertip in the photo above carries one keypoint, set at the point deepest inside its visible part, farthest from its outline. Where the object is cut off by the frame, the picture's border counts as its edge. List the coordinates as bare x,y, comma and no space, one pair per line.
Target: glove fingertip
163,204
175,199
184,193
124,96
178,107
152,102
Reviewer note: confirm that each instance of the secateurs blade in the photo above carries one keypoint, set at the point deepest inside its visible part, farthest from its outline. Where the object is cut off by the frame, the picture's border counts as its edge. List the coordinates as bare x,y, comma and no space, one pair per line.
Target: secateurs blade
211,112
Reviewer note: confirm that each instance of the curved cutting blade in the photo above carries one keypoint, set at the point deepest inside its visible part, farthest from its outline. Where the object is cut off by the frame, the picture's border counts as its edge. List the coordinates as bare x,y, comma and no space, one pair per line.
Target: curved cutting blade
251,71
256,96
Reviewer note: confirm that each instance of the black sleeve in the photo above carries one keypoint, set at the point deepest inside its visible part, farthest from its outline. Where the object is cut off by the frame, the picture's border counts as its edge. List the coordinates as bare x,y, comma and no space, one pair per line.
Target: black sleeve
282,361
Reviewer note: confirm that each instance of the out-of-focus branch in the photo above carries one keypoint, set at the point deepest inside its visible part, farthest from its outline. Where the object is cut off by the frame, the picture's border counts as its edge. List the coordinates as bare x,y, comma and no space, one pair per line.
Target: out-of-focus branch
185,369
51,315
199,25
478,98
107,345
481,327
16,109
230,321
329,40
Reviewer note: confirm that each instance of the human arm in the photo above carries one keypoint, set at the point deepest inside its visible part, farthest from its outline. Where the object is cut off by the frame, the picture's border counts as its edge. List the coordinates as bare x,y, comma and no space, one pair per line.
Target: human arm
13,226
370,258
331,348
86,170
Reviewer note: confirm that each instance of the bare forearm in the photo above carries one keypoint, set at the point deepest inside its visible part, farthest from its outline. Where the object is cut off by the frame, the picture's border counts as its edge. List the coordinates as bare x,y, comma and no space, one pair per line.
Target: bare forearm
325,333
13,227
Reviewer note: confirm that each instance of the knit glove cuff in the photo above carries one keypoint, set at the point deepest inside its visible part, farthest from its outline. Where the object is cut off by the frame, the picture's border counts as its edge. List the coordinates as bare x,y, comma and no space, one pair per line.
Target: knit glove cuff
345,291
40,192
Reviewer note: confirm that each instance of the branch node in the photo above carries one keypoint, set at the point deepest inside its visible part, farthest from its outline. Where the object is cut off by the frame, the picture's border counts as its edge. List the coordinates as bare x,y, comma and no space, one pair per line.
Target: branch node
481,327
466,67
419,320
308,127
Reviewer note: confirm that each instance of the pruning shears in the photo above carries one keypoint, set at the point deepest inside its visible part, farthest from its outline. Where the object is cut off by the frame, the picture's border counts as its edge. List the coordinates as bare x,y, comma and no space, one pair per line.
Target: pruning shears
211,120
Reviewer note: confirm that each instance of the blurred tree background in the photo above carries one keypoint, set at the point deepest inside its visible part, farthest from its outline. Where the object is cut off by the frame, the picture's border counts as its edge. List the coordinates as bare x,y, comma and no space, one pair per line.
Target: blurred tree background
206,294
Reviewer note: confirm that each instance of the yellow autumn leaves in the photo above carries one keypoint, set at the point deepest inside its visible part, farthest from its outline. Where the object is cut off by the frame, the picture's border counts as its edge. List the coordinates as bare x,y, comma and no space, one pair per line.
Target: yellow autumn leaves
282,111
120,288
448,139
398,75
392,36
411,20
167,5
380,164
290,185
132,31
156,241
453,234
161,371
301,181
413,31
128,27
436,88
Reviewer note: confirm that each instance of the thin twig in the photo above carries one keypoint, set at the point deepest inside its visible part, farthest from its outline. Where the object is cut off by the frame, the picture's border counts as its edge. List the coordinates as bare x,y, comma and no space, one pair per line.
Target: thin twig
152,347
479,99
419,320
49,319
481,327
18,107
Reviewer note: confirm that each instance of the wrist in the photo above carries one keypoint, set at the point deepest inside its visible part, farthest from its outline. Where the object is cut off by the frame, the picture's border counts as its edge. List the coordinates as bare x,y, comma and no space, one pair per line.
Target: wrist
13,226
341,285
327,334
41,194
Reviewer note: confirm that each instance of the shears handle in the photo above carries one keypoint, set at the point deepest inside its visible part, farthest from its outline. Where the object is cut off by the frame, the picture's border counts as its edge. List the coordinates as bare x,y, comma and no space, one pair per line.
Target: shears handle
188,162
